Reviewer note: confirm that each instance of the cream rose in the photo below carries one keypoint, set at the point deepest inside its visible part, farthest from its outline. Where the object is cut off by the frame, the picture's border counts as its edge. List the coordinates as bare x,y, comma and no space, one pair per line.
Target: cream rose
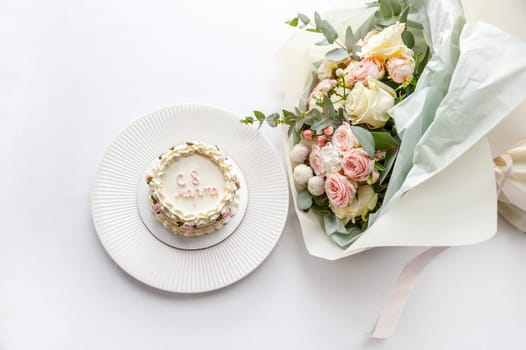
369,104
357,165
316,160
343,139
365,201
326,68
401,69
339,190
331,159
385,44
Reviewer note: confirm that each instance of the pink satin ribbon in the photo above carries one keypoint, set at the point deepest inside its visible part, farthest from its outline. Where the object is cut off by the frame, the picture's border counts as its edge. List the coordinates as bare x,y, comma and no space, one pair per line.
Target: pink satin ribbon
394,308
514,194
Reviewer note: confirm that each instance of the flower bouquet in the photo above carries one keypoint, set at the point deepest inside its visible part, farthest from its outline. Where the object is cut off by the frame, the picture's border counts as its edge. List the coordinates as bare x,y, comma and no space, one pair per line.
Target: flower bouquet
386,111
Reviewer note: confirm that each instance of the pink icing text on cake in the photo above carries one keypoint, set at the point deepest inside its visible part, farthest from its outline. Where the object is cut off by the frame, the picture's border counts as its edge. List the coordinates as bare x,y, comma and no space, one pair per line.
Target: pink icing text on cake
207,191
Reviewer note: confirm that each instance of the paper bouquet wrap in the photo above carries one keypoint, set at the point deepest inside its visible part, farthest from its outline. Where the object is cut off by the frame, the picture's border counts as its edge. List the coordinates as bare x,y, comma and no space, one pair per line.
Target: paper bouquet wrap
442,190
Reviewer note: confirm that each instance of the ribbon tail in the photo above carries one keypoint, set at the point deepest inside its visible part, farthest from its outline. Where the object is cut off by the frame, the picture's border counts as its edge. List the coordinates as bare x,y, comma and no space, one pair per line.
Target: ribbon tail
394,308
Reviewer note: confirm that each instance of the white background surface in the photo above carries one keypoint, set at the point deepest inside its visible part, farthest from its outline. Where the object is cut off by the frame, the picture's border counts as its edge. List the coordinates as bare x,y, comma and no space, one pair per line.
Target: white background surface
73,74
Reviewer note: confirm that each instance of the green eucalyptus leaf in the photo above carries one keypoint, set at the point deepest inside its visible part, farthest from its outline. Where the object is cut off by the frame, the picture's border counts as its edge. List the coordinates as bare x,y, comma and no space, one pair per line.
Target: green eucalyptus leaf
365,138
248,120
322,124
396,6
288,117
293,22
312,116
404,14
313,30
328,107
272,119
408,38
303,18
390,8
350,39
298,125
379,167
383,140
314,113
296,137
259,115
328,31
304,200
317,19
386,10
337,55
423,62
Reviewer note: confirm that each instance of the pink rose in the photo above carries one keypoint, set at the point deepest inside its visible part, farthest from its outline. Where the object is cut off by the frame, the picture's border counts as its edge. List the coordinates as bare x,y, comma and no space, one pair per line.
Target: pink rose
316,160
400,69
340,190
322,140
357,164
307,134
368,67
156,208
225,214
343,138
187,228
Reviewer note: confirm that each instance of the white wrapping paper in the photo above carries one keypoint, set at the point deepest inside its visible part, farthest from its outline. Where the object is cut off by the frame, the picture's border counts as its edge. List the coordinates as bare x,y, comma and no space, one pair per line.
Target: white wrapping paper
442,192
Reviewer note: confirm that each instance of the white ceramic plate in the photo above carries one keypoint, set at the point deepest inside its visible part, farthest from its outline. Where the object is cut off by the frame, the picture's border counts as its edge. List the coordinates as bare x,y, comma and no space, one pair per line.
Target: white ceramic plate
137,251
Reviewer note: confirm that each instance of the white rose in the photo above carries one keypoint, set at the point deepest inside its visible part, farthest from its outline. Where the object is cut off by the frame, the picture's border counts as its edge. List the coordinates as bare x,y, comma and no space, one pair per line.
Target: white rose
386,44
369,105
325,69
331,159
365,201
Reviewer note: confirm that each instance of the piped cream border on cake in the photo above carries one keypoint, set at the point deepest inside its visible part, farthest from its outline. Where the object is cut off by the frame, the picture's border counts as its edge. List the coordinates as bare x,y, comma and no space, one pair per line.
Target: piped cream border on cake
193,224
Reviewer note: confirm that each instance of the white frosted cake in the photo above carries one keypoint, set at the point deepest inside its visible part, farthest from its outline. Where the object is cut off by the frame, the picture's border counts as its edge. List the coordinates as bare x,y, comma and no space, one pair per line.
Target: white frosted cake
193,189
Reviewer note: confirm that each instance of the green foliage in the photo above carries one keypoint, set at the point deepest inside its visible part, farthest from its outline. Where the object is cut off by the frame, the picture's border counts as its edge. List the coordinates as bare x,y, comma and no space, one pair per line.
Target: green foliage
341,234
337,55
365,138
409,39
384,140
304,200
390,8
